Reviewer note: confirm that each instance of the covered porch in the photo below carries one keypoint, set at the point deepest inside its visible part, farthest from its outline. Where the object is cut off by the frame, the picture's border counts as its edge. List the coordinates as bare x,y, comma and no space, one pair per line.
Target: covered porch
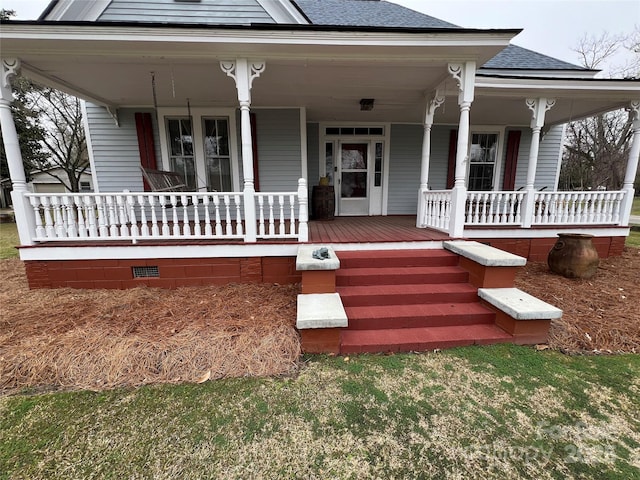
418,78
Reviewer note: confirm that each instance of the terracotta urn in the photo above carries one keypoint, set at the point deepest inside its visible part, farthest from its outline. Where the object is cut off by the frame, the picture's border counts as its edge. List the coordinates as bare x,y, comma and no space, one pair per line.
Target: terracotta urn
574,256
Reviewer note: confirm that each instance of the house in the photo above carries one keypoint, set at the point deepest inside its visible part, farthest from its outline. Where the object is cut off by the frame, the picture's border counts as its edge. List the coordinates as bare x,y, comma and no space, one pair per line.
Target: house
47,181
404,115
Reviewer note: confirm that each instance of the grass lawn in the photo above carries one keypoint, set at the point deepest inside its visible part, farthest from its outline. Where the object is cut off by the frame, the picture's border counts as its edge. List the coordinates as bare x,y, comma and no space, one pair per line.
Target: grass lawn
480,412
635,209
8,240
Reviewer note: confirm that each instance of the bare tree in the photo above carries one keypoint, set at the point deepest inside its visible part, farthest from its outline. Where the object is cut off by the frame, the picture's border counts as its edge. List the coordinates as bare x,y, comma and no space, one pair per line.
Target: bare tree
64,140
597,148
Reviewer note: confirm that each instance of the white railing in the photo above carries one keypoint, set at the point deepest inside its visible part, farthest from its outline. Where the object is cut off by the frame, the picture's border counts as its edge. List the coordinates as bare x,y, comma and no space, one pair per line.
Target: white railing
435,212
276,214
153,216
494,208
578,208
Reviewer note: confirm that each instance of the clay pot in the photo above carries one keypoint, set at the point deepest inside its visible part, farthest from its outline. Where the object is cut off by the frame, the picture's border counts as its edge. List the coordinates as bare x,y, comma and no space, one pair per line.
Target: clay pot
573,256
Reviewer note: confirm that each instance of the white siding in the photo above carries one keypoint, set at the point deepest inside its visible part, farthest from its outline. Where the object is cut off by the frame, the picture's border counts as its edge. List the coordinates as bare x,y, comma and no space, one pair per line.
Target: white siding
278,133
404,168
313,155
115,149
226,12
404,165
548,158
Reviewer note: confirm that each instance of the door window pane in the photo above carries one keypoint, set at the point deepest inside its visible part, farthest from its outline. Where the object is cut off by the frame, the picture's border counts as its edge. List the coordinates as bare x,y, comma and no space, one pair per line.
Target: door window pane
216,148
329,165
482,160
354,157
181,155
354,184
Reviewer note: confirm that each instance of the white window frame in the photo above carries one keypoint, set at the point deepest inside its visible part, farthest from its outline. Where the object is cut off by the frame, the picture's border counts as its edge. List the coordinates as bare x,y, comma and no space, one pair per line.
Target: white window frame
337,138
198,114
497,170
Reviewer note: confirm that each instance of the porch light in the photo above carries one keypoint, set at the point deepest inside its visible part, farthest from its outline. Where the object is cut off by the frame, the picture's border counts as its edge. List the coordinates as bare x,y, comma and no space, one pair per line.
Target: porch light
366,104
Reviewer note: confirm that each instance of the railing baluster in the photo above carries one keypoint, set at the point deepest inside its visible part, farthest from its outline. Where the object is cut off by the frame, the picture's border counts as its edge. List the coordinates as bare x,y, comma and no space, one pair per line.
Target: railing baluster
272,228
174,215
131,202
216,204
197,229
208,231
186,227
166,231
35,203
292,224
281,230
144,223
227,200
239,229
261,229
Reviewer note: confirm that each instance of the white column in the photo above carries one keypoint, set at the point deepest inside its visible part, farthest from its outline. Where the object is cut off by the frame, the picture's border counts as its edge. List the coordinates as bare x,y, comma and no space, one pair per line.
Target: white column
465,75
538,107
632,163
244,73
23,211
432,104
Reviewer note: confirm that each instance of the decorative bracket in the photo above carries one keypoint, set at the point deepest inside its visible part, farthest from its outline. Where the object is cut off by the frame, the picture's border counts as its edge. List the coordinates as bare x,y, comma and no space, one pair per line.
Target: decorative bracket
243,73
539,107
432,105
113,112
634,111
10,67
464,74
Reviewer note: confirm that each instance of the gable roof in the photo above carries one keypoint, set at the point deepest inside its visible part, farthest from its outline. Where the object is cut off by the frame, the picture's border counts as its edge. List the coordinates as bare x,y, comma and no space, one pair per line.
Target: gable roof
515,57
366,13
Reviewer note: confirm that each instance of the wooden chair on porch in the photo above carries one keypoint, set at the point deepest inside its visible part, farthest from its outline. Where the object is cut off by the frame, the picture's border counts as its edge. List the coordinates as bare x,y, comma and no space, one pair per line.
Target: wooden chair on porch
163,181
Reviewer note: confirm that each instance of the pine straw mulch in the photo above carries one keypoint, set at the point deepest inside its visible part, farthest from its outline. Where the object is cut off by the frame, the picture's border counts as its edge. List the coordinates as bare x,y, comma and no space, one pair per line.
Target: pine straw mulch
100,339
600,315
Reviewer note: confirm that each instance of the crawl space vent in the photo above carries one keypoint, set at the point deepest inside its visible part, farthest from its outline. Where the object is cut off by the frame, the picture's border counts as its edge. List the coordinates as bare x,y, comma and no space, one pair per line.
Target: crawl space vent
144,272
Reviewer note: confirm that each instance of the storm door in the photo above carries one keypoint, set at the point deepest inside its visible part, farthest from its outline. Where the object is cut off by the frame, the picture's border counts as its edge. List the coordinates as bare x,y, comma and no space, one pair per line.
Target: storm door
353,188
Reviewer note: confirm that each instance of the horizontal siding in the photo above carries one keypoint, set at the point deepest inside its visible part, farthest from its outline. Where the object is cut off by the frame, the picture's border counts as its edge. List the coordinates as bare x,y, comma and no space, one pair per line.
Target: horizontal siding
225,12
404,165
404,168
548,158
115,149
278,133
313,155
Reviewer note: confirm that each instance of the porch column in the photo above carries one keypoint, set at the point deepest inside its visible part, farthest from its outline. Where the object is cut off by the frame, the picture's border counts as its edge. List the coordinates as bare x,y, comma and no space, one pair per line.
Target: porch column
632,163
538,107
465,76
432,104
21,206
244,73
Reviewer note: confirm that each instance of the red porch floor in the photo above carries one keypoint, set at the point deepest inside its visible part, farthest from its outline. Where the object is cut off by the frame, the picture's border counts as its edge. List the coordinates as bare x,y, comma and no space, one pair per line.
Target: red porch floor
397,228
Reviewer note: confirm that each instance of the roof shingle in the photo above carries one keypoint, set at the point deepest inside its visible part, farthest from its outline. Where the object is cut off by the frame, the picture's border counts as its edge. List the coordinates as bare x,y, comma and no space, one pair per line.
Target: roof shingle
367,13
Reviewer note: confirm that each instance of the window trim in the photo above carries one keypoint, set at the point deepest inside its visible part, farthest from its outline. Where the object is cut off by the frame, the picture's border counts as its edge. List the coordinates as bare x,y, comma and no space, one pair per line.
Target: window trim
198,114
499,164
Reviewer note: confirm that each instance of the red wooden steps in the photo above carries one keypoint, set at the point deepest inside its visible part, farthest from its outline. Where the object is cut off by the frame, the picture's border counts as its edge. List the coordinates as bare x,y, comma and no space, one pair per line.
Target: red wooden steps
410,300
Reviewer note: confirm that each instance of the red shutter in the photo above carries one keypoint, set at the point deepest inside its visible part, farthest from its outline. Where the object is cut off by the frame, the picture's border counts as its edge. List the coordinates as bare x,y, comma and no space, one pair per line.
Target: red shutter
453,147
511,161
254,147
144,129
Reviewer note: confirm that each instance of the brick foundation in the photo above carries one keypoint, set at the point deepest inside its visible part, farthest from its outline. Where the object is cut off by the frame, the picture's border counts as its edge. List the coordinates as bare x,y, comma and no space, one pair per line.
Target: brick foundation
174,272
525,332
320,340
537,249
482,276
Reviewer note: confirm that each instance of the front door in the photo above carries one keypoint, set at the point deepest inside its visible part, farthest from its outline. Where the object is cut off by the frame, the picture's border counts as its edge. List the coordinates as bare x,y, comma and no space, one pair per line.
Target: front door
353,188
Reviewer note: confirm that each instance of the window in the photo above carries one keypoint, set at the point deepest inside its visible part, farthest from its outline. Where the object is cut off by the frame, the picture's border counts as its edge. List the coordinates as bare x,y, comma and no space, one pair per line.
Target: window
482,161
216,151
364,131
85,186
181,150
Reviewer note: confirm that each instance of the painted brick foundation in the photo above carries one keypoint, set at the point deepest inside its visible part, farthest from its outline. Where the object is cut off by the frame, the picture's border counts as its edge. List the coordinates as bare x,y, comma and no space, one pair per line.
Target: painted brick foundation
537,249
174,272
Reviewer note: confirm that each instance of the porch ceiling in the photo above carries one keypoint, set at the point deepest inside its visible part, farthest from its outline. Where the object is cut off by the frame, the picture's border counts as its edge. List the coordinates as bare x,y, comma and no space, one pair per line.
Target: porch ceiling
326,72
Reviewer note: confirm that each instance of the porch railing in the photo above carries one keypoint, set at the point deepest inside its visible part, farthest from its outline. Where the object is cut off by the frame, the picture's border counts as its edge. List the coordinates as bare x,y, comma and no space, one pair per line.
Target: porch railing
494,208
435,211
516,210
153,216
578,208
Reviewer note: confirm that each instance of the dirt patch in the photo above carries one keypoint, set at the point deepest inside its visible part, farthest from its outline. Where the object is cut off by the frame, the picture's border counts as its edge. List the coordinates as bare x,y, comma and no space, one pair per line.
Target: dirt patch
600,315
96,339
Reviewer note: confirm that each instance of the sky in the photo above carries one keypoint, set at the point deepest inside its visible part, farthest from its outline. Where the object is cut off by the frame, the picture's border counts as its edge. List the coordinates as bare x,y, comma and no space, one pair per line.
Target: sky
552,27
